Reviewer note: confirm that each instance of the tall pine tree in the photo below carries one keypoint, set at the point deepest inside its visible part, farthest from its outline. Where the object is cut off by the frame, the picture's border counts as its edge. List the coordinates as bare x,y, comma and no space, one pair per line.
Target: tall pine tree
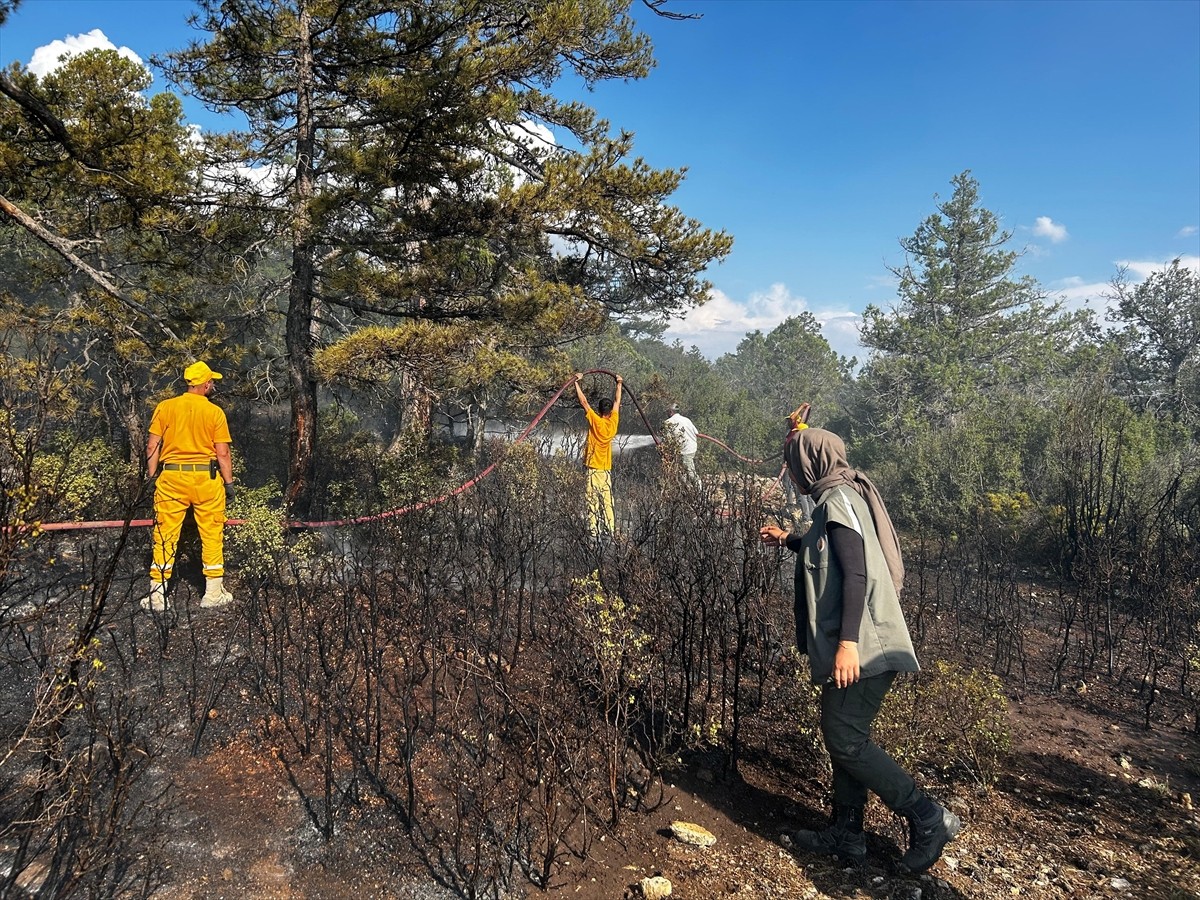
428,184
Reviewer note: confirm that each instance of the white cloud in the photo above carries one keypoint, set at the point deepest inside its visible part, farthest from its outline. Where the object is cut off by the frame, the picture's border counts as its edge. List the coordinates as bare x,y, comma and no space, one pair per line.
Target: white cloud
49,57
719,325
1187,231
1142,269
841,330
1076,293
531,142
722,315
1048,228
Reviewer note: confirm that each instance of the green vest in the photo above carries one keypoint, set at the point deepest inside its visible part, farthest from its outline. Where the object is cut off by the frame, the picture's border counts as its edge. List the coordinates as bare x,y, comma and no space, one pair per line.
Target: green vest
884,644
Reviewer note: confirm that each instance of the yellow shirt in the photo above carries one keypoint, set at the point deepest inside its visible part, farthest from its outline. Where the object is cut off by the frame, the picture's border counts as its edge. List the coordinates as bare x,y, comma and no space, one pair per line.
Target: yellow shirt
601,431
190,426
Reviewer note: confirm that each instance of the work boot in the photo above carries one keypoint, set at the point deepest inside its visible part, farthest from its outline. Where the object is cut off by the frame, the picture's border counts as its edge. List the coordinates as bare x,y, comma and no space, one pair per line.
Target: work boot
843,838
930,828
215,595
156,600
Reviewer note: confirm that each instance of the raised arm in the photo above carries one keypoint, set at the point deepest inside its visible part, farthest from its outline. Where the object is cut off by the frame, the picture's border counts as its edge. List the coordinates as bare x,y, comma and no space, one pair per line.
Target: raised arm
579,391
617,398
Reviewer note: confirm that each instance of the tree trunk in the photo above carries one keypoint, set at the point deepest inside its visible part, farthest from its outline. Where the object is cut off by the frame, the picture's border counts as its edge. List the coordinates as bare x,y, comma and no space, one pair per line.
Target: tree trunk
300,292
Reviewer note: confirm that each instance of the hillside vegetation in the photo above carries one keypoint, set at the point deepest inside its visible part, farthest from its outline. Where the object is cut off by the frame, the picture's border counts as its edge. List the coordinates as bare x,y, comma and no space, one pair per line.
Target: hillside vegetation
412,238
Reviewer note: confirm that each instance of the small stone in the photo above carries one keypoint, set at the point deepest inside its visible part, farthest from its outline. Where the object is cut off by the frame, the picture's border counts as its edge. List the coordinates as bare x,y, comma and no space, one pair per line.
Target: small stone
655,887
1120,884
690,833
1185,800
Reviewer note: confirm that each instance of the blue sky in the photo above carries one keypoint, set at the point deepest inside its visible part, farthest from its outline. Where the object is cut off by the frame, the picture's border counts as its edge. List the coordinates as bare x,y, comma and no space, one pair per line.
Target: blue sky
818,134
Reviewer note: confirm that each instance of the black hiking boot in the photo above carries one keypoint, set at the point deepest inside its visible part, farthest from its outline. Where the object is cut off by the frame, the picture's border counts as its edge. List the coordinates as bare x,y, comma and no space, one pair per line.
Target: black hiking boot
930,828
843,838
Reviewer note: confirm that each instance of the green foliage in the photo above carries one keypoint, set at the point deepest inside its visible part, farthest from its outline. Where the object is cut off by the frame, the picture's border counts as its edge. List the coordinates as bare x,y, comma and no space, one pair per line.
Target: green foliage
127,156
963,326
261,539
1159,340
953,720
793,364
520,472
77,478
940,477
428,180
51,466
613,640
661,374
953,397
360,475
108,177
950,719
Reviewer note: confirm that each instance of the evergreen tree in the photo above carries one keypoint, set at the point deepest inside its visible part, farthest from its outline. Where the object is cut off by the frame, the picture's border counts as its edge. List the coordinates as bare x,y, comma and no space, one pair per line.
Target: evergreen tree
793,364
96,181
953,366
964,326
1160,339
413,160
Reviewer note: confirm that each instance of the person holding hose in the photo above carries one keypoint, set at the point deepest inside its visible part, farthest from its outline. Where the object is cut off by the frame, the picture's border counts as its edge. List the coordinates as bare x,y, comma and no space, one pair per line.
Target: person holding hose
189,440
597,457
849,573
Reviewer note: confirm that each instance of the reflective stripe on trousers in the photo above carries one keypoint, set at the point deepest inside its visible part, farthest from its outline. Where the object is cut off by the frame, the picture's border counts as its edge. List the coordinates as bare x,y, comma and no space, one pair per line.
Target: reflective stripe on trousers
173,494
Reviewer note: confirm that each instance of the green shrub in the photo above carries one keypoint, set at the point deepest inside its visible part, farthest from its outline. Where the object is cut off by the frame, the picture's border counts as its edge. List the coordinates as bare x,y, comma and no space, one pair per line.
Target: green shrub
76,479
948,719
260,541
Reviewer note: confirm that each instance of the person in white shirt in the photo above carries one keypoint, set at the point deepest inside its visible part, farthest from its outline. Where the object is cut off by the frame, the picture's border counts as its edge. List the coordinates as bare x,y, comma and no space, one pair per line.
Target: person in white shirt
684,431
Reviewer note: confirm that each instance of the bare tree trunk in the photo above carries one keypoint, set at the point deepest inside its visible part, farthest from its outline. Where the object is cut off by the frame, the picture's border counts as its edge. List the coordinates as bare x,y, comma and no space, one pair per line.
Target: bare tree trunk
300,292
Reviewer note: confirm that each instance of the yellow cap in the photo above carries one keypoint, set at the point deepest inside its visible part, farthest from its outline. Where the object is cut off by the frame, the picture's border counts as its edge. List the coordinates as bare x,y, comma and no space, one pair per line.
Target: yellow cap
198,373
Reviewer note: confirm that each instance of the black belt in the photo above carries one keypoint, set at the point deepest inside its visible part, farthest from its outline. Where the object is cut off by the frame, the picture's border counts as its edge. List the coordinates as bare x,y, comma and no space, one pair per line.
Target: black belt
186,467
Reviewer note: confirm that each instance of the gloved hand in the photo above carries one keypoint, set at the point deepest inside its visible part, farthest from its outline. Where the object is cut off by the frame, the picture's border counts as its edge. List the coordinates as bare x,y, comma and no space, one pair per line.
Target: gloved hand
229,492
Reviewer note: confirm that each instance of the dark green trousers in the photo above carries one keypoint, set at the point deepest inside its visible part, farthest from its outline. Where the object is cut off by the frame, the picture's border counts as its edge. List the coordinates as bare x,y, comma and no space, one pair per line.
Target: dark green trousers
859,764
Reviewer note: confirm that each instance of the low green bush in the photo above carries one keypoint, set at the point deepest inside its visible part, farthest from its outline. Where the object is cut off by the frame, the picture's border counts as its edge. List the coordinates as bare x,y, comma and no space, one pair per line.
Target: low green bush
948,719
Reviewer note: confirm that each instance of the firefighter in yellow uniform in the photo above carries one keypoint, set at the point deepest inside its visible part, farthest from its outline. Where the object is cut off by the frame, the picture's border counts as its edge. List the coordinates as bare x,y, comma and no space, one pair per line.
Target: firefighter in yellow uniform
597,457
189,447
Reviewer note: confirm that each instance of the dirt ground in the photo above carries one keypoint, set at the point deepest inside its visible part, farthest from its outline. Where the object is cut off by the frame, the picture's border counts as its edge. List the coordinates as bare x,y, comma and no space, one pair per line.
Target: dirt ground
1089,805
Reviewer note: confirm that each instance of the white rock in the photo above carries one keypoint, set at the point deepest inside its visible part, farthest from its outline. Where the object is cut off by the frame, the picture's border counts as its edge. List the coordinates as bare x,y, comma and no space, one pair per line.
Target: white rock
690,833
655,887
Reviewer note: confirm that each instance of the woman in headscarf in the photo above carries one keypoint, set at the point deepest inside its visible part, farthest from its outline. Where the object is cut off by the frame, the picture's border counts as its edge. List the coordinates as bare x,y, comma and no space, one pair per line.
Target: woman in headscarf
849,572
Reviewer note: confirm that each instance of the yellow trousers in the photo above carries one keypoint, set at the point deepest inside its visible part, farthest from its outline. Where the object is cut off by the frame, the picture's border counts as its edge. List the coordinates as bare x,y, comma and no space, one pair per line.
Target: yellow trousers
599,498
173,494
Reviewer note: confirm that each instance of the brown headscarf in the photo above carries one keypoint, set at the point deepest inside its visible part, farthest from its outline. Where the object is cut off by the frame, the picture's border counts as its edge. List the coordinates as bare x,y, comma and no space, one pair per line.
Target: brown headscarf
817,460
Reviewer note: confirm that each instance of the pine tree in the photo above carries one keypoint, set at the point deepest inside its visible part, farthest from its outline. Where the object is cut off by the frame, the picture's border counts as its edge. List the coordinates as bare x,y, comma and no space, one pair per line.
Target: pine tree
1160,341
413,160
96,184
965,327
